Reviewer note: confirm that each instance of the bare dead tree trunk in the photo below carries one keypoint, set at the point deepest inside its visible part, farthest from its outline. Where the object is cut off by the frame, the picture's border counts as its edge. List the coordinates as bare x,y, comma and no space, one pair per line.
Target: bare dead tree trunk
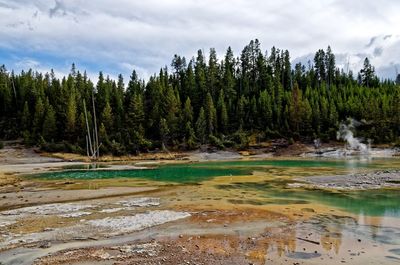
97,153
88,138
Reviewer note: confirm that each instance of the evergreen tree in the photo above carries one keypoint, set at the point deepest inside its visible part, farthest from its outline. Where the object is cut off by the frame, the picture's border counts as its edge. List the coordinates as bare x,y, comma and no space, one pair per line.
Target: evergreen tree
26,117
319,65
103,136
296,109
330,66
222,116
107,117
164,131
211,115
135,113
38,116
367,73
187,112
49,124
201,126
265,110
190,136
71,116
230,99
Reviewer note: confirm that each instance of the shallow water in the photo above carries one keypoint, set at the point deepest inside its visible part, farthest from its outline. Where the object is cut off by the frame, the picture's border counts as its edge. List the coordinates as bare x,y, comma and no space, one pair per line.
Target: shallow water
198,172
337,218
271,185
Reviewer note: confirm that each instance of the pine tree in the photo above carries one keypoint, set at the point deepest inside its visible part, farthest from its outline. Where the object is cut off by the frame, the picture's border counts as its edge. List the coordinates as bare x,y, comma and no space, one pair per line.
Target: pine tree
201,126
306,118
212,74
164,131
190,136
367,73
107,117
211,115
103,136
187,112
241,111
228,84
26,117
201,79
296,108
330,66
71,116
135,115
38,116
222,116
319,65
265,110
171,111
49,124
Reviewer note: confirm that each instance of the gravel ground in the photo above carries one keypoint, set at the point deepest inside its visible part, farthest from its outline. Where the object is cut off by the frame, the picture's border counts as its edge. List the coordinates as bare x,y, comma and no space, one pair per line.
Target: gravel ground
358,181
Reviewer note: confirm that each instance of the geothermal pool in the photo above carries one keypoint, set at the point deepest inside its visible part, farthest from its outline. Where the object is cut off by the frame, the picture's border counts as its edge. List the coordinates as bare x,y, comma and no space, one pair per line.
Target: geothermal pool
259,182
256,199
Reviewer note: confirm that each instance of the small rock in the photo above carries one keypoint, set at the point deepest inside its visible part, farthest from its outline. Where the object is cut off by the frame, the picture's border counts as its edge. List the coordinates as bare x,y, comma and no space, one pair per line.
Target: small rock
45,244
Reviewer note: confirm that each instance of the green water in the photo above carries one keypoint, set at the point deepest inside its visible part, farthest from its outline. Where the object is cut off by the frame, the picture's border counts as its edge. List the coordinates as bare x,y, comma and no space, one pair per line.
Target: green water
370,203
169,173
198,172
273,189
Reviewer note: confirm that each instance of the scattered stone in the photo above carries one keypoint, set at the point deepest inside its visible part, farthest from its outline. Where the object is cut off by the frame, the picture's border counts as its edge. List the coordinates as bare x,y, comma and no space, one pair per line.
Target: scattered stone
45,244
357,181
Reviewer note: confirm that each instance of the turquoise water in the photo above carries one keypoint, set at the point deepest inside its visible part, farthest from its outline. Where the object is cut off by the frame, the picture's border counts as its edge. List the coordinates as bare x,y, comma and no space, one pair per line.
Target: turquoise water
198,172
169,173
271,190
370,203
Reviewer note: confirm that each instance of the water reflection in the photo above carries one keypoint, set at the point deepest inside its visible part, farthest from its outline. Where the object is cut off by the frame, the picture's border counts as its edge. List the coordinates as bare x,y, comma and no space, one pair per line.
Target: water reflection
373,216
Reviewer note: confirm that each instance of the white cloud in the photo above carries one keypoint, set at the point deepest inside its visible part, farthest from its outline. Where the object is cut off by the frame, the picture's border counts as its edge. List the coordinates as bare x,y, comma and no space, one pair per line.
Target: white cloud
115,35
383,52
27,63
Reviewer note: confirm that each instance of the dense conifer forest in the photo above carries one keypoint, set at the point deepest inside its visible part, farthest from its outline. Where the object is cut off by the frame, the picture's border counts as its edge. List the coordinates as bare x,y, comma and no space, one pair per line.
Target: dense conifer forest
227,102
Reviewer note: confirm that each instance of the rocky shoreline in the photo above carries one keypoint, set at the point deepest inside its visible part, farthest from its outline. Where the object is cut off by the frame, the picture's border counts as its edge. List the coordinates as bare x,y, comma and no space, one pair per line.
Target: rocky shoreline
357,181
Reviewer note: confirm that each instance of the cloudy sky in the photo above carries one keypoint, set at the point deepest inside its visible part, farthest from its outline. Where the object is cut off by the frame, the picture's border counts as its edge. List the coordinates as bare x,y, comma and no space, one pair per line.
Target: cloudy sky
116,36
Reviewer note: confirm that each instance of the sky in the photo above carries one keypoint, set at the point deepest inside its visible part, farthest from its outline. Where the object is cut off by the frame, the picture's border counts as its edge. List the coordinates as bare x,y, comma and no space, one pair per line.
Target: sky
117,36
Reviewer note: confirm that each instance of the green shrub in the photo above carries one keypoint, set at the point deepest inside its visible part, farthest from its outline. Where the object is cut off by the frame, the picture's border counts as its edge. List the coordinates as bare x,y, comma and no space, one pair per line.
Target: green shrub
53,147
216,142
241,139
117,149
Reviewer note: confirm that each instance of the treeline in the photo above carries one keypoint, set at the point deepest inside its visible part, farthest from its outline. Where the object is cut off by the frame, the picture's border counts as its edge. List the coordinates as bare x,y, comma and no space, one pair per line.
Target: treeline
226,103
